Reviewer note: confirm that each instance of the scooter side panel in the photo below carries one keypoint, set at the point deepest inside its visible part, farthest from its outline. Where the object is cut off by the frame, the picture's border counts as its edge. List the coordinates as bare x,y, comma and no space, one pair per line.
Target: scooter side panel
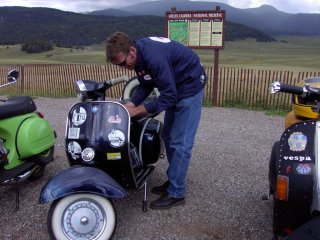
9,129
81,179
35,135
297,160
297,163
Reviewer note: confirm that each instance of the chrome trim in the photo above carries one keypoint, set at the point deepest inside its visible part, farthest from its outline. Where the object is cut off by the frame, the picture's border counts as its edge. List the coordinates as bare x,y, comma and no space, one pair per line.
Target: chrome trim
316,178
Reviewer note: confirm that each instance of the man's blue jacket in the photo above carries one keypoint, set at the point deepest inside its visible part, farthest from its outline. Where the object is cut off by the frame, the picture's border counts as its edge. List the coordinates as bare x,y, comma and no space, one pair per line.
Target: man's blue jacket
171,67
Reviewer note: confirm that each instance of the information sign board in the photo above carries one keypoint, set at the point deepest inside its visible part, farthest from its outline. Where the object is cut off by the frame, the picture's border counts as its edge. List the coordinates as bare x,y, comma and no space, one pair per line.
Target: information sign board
196,29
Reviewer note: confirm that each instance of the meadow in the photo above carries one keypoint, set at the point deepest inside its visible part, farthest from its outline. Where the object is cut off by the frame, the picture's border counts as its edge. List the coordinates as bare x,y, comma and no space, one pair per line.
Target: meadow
289,53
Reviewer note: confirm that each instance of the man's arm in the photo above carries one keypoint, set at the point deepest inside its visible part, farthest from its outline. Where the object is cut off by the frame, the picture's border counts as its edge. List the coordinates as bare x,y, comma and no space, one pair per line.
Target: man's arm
135,110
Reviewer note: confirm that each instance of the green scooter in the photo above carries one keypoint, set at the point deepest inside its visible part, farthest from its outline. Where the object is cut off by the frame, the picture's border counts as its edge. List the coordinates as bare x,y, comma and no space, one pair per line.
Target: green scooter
26,139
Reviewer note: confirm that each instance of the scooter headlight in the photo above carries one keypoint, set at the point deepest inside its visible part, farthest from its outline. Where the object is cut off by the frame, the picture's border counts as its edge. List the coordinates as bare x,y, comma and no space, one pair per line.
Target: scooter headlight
81,90
87,154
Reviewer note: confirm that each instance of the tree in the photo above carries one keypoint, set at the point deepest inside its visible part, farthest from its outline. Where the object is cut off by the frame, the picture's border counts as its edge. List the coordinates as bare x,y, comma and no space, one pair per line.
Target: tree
36,46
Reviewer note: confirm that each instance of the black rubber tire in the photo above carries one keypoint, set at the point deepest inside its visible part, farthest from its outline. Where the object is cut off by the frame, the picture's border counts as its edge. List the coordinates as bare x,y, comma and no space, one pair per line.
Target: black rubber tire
275,153
44,158
38,173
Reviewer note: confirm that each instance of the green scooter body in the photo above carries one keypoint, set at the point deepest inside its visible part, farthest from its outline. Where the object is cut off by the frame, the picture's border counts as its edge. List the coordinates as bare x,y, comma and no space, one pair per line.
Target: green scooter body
25,136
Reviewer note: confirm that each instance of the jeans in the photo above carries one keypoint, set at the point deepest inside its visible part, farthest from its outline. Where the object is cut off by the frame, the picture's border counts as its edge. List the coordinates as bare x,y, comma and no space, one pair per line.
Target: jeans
180,127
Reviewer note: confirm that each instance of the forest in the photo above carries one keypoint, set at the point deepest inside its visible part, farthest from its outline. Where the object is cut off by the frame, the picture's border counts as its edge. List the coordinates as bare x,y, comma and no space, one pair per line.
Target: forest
20,25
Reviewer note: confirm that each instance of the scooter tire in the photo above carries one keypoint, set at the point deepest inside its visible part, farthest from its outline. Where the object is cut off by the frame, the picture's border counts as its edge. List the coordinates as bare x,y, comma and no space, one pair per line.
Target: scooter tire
38,173
131,86
82,215
275,153
44,158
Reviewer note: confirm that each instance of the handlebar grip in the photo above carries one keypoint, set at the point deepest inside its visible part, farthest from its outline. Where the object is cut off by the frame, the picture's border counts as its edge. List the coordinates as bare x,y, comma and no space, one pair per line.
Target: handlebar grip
291,89
119,80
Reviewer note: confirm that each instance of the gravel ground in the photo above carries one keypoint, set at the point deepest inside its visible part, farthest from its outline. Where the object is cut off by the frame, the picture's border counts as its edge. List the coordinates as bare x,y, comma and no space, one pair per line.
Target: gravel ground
226,179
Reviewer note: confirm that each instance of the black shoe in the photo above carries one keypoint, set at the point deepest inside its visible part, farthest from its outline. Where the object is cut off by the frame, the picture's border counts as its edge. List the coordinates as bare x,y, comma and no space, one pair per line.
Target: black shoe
166,202
160,190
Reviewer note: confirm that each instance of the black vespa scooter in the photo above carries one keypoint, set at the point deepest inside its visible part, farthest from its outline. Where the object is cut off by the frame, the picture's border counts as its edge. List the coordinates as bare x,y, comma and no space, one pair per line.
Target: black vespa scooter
294,170
109,152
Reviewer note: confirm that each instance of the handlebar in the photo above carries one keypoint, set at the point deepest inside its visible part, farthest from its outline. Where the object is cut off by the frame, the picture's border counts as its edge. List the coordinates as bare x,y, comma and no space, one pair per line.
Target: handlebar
281,87
115,81
12,77
304,91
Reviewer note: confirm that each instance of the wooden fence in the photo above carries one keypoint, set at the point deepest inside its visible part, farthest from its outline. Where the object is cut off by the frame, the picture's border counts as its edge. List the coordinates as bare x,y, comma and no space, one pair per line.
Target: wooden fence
248,86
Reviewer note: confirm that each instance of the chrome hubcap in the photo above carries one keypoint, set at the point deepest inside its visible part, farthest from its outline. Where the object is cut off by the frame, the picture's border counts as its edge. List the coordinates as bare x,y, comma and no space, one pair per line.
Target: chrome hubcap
84,219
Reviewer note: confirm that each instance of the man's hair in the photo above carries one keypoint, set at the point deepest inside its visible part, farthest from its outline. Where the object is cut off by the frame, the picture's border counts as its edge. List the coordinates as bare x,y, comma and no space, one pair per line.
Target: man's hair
116,43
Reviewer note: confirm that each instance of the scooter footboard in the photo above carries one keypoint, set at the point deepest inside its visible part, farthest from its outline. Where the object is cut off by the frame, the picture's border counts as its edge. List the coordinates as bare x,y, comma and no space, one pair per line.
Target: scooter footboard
81,179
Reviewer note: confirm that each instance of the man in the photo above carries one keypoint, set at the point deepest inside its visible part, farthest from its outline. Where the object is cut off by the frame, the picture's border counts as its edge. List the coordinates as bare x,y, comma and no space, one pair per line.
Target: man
179,76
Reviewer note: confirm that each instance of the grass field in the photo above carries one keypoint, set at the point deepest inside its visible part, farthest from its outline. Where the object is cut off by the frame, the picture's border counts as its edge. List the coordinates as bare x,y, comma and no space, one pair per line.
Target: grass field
288,53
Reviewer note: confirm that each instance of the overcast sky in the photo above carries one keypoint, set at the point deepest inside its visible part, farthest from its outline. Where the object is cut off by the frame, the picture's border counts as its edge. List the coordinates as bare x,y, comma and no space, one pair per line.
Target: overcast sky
289,6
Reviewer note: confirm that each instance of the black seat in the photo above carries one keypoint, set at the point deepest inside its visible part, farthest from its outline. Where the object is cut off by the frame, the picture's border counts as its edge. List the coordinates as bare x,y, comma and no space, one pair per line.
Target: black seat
16,106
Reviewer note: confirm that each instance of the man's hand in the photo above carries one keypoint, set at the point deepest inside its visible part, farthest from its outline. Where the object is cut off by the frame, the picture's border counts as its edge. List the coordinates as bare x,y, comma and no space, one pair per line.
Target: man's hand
135,110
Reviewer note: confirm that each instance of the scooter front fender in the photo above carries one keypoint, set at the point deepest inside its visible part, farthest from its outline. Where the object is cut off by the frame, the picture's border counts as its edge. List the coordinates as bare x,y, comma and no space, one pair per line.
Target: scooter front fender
78,179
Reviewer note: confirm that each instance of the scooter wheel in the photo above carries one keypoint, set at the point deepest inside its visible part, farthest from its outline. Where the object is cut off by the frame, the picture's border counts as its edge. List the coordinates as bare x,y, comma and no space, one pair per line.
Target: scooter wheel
44,158
131,86
38,173
82,216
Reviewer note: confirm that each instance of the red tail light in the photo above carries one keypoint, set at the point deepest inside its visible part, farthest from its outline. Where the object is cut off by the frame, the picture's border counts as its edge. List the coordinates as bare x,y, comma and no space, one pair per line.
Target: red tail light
288,231
40,114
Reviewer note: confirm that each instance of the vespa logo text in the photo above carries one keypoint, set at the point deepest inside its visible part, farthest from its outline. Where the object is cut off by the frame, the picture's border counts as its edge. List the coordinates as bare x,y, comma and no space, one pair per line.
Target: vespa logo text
297,158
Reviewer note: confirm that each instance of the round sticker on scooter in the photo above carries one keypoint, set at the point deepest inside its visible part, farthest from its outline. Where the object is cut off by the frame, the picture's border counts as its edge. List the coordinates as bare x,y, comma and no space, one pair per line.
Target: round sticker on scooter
116,138
297,141
74,149
79,117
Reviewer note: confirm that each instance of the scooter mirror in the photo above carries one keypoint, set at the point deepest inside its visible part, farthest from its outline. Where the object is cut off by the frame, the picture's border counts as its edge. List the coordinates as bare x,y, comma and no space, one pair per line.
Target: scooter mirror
13,76
275,87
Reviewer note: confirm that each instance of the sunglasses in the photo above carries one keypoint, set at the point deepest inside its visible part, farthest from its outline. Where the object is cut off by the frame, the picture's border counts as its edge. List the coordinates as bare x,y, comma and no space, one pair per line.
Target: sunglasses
124,62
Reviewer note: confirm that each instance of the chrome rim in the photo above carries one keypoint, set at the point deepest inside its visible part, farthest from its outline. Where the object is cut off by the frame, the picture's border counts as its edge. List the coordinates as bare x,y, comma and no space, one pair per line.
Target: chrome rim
84,219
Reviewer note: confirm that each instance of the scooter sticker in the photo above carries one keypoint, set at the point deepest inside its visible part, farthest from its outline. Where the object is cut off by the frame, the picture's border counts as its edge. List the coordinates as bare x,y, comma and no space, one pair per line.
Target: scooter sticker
297,142
74,149
79,118
114,119
114,156
147,77
73,133
116,138
304,169
94,109
297,158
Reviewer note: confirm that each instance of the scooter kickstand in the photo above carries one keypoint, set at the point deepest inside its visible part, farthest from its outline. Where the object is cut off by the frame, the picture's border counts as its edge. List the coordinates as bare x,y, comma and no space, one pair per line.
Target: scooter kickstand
265,197
144,202
17,195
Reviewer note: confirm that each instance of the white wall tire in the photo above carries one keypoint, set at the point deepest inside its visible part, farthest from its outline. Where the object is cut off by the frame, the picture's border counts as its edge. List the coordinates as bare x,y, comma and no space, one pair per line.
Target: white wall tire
82,216
130,87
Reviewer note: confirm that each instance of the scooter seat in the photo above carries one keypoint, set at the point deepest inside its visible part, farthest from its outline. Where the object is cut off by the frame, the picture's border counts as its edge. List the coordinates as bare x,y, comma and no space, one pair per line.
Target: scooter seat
16,106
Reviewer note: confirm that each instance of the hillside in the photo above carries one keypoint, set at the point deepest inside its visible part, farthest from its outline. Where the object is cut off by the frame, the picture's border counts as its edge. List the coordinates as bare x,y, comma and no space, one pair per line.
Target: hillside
265,18
68,29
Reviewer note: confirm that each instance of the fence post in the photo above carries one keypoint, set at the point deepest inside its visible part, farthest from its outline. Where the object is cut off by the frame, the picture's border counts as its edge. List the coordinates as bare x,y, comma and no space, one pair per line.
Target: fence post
22,80
215,78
